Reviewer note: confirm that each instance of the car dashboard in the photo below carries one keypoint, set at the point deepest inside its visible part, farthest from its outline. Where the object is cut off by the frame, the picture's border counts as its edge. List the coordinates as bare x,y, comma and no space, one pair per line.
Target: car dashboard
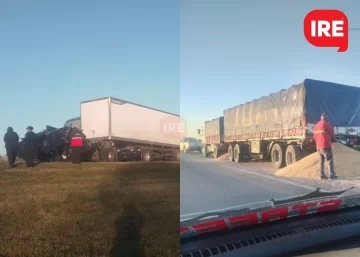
277,238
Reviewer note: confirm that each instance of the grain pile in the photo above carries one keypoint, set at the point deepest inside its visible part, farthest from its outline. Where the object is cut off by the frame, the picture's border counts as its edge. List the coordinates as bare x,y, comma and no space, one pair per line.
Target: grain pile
223,157
347,165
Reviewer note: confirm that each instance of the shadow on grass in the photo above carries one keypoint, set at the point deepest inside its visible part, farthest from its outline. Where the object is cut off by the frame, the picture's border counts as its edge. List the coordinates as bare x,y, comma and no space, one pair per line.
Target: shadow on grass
127,242
128,235
137,228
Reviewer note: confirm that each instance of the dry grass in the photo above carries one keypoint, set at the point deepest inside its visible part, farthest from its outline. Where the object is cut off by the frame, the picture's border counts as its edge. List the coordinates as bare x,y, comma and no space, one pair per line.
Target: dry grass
91,209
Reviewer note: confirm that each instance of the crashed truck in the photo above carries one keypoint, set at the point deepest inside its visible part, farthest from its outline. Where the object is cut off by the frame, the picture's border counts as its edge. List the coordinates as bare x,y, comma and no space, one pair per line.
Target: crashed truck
280,127
53,144
113,130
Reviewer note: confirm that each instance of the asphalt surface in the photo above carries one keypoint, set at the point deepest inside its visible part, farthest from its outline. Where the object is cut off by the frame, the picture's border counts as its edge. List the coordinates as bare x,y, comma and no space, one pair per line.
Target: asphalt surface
208,184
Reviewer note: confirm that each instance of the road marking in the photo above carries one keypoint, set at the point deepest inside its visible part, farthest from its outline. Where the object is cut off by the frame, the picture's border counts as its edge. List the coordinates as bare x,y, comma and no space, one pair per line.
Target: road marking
237,170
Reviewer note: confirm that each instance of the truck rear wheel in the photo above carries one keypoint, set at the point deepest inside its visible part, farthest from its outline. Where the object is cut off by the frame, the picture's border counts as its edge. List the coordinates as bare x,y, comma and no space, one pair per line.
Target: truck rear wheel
278,156
231,153
176,155
241,153
204,152
293,154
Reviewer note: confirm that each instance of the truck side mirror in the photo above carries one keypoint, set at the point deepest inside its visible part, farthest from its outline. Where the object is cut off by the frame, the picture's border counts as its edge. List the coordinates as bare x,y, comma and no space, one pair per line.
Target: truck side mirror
198,131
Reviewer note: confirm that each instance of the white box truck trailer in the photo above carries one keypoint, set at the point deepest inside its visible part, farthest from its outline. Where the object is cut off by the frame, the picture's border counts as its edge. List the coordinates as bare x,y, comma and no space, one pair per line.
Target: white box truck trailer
117,124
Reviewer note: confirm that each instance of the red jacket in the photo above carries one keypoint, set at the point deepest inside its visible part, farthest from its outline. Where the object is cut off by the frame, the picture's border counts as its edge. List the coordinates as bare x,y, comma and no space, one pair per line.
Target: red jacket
323,133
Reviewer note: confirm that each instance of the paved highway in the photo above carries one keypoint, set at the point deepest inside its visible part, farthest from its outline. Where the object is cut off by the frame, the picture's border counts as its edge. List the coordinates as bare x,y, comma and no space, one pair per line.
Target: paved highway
208,184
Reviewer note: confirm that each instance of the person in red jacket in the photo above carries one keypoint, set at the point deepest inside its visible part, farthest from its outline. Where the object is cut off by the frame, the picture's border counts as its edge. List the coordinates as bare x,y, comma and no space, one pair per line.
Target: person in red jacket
323,134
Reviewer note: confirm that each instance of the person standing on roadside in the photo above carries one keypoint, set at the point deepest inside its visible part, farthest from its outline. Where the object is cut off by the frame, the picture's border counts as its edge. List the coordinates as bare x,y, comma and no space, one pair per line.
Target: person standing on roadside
76,143
323,134
29,147
11,140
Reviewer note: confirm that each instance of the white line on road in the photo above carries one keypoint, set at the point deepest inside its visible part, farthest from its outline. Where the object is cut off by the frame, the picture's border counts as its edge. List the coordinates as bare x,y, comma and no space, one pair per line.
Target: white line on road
239,170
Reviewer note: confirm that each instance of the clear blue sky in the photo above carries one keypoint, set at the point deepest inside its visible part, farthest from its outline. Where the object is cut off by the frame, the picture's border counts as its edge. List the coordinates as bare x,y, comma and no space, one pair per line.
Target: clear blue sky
54,54
233,51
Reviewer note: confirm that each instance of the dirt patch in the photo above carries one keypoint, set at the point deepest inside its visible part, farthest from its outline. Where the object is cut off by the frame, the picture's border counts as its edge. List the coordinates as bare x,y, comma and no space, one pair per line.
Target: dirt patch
223,157
3,162
346,161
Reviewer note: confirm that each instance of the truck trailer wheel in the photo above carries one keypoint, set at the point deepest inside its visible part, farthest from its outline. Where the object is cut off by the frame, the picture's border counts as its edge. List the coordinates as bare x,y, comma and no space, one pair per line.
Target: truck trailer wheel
216,153
176,155
110,155
278,156
147,156
231,153
237,153
204,152
95,157
293,154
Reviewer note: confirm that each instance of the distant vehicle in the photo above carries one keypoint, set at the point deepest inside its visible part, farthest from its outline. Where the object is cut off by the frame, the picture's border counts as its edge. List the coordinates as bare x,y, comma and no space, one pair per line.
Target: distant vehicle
189,144
280,126
129,153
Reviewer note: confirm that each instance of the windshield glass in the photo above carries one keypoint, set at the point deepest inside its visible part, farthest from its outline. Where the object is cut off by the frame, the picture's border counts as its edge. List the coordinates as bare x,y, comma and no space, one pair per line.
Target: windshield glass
272,123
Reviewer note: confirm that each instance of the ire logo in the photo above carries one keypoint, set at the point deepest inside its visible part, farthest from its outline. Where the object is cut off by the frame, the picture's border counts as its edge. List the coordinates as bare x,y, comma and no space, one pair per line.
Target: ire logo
173,127
327,28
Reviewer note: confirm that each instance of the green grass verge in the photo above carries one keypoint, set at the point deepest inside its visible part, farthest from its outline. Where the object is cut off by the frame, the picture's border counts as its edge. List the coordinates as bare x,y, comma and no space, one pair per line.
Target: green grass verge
91,209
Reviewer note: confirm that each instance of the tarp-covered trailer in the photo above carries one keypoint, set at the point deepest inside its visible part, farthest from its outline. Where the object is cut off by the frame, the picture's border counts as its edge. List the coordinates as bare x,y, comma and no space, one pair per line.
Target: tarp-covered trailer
280,126
213,137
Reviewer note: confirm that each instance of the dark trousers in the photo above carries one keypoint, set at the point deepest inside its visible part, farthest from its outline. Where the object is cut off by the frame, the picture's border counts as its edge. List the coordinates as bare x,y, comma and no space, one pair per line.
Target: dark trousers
11,156
75,154
29,156
326,154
